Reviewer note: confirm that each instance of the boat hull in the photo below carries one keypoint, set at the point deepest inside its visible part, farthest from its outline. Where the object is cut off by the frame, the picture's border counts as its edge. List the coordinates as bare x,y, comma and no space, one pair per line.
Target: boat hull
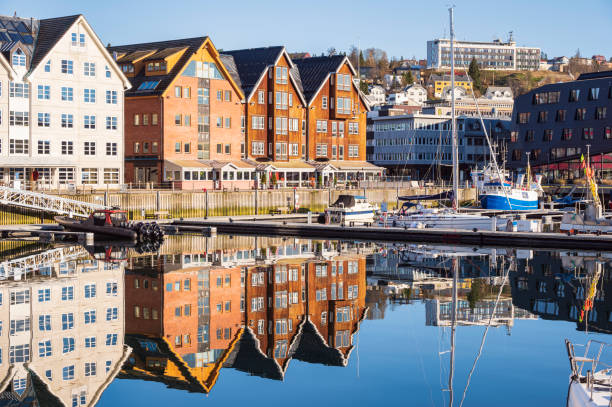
98,231
440,222
338,216
501,202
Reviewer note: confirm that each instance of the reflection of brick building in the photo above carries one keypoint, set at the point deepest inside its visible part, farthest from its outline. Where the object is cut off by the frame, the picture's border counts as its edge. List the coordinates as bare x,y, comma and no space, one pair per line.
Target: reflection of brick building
546,287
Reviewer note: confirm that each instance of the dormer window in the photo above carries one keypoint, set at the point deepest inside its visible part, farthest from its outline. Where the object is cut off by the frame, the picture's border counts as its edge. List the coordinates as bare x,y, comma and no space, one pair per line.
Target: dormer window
156,66
19,58
127,68
78,40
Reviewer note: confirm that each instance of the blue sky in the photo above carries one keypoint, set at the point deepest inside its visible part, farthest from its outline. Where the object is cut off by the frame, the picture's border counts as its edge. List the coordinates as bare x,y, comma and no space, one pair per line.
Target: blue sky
559,27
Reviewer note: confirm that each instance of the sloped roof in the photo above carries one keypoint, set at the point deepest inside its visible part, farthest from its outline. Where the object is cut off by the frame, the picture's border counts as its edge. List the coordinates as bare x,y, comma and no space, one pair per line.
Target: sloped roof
163,53
51,30
134,56
252,63
230,65
314,71
192,45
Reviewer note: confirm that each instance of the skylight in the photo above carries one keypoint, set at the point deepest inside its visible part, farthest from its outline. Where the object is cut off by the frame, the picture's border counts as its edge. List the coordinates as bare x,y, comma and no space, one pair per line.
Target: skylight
148,85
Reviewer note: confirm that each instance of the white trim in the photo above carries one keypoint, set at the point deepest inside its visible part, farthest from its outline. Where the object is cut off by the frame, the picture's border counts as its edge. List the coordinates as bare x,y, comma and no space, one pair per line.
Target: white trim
9,68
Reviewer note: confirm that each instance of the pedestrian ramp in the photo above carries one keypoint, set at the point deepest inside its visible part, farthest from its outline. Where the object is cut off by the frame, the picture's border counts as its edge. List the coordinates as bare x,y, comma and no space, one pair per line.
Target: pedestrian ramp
46,203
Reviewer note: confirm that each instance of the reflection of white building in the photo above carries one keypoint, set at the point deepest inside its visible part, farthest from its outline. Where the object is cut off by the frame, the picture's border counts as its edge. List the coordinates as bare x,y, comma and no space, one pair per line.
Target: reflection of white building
64,328
438,313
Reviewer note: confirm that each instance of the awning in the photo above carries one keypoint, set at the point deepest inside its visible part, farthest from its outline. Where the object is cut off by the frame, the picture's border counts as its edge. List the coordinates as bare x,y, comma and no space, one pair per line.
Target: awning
356,166
38,162
285,166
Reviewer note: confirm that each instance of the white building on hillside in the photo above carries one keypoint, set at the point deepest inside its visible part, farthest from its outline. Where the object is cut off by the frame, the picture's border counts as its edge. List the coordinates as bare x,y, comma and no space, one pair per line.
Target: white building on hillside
416,92
377,95
61,104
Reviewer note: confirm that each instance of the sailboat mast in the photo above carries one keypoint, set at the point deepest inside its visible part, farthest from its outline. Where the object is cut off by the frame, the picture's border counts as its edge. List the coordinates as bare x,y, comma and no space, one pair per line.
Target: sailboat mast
451,374
453,121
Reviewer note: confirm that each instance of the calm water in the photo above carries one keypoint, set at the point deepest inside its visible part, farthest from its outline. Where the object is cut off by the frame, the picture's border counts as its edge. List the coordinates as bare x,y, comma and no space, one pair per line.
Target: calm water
271,321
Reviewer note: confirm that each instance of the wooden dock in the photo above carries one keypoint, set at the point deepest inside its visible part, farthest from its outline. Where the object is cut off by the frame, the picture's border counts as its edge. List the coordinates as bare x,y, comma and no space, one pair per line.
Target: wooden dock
390,234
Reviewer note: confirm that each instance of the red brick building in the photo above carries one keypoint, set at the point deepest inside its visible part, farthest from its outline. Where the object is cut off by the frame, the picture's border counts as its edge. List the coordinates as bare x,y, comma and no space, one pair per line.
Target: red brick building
183,115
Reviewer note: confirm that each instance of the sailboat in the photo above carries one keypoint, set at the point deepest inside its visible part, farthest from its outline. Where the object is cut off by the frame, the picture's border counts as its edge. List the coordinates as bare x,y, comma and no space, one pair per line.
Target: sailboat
446,218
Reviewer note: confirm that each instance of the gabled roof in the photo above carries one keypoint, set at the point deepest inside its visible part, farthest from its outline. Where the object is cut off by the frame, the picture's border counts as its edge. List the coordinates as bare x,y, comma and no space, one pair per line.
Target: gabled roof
253,63
51,30
315,70
192,44
230,65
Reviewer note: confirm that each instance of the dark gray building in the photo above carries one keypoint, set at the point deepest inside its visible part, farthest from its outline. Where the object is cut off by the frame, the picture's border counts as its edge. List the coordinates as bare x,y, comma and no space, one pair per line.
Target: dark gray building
555,122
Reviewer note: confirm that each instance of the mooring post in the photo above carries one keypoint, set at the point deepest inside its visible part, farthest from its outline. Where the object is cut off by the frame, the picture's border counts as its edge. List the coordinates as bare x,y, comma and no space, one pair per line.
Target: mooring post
256,202
106,197
397,197
294,200
206,202
158,201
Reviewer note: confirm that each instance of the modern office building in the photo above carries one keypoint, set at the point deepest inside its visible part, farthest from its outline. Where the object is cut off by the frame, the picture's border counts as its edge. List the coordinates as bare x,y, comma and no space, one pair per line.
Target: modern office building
419,145
61,105
556,122
496,55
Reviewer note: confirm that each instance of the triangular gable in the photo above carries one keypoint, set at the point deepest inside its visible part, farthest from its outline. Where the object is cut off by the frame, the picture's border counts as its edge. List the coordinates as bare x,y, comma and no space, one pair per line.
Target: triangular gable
41,54
264,74
217,58
9,68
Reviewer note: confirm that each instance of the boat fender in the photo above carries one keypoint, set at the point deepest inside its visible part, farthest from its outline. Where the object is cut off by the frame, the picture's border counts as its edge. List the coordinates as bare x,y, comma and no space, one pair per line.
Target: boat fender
394,223
475,230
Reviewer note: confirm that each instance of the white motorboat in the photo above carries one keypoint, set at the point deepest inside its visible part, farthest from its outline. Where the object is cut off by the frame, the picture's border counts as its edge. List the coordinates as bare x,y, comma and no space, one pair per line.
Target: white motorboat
591,378
445,218
350,208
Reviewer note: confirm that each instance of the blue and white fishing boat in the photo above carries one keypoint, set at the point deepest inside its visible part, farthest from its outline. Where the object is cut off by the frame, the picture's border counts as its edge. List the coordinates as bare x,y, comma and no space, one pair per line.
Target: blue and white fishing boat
493,193
350,208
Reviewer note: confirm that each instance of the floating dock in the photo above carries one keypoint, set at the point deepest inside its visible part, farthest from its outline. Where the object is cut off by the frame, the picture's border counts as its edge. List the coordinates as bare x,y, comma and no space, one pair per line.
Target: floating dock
392,234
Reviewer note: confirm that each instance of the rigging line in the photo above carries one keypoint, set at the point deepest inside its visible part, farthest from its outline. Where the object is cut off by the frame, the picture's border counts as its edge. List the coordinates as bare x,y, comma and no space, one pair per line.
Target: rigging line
484,337
484,129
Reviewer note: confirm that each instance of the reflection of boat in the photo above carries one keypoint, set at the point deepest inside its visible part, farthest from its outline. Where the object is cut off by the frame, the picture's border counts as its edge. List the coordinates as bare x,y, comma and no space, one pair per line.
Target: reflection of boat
350,208
103,223
593,387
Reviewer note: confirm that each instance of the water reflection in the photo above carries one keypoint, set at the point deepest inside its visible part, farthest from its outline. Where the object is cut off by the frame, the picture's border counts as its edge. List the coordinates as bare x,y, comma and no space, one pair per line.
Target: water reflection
251,304
71,321
61,326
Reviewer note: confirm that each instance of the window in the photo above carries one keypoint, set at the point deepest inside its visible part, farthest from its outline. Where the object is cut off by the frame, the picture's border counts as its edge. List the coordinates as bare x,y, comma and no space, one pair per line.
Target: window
107,71
44,92
548,135
19,58
89,69
19,354
90,317
89,148
44,295
67,345
600,113
19,146
44,147
178,91
321,150
67,121
580,113
542,116
593,93
111,149
44,119
111,288
68,372
90,291
574,95
178,119
561,115
111,123
111,97
20,297
67,94
186,92
529,135
67,148
203,96
111,314
19,325
48,66
89,95
608,132
19,118
44,349
90,342
44,323
66,66
261,97
353,151
111,339
257,148
187,120
67,321
281,74
90,369
154,119
258,123
566,134
523,118
89,176
324,102
587,133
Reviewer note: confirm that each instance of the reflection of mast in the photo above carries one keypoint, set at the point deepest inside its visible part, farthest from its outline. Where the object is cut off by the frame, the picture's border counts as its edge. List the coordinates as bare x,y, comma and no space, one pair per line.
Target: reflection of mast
455,263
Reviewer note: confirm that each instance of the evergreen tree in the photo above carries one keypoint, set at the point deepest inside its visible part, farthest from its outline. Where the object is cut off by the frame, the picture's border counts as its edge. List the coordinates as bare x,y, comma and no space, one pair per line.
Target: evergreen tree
474,73
361,59
407,78
364,88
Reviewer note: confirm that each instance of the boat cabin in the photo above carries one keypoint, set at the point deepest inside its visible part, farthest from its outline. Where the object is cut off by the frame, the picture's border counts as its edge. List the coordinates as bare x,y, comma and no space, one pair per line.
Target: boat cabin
108,217
348,201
